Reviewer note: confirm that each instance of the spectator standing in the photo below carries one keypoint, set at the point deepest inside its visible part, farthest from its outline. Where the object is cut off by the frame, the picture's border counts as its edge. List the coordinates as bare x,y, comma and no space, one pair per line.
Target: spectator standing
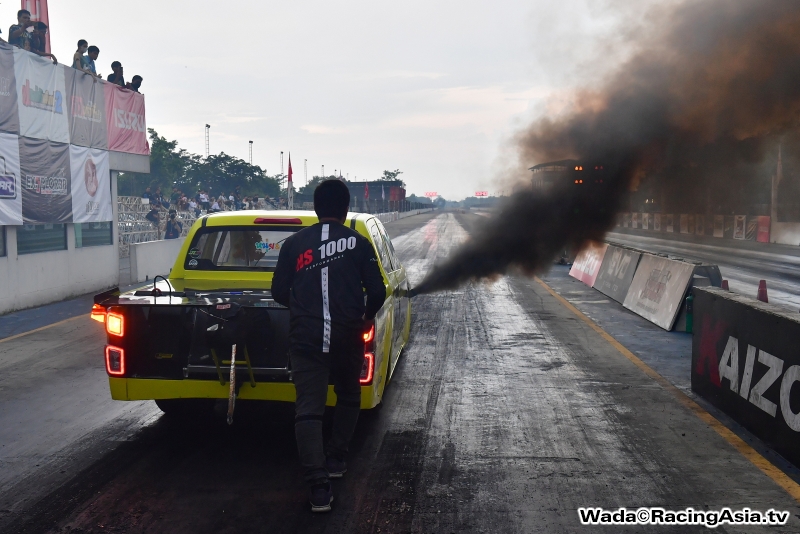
87,61
83,46
116,76
135,83
204,200
147,194
174,227
175,196
18,34
39,41
194,207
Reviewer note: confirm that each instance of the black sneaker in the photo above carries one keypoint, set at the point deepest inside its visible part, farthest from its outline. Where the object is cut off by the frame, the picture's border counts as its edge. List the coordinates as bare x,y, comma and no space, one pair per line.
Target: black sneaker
320,496
336,467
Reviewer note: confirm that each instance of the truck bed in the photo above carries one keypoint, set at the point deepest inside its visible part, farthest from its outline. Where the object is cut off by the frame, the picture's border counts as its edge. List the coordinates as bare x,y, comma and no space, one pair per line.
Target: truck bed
189,334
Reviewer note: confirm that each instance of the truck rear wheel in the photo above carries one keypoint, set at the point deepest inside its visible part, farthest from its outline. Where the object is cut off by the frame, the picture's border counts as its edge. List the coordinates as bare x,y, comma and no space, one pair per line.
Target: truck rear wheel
186,407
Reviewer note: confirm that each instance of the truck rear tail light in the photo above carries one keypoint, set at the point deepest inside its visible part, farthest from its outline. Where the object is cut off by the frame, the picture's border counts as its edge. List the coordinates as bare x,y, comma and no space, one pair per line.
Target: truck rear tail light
115,324
98,313
115,360
369,336
367,369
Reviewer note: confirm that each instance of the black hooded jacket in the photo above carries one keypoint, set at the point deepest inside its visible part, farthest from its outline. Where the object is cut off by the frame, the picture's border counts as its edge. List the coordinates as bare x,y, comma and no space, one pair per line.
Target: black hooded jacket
321,275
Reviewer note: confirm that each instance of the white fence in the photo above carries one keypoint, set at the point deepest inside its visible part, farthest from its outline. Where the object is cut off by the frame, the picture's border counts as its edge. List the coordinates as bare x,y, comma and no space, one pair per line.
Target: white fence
135,228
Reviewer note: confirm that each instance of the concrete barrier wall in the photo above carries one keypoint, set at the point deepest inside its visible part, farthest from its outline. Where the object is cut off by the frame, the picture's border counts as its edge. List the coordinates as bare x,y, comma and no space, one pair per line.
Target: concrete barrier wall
745,361
761,228
397,215
35,279
154,258
652,286
785,233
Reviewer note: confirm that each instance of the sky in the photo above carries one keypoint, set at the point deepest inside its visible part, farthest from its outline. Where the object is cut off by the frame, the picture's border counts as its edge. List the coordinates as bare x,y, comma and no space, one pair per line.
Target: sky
437,89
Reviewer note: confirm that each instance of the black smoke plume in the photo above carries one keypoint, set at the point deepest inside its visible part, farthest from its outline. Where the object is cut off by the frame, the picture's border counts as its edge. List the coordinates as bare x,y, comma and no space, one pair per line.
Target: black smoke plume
713,88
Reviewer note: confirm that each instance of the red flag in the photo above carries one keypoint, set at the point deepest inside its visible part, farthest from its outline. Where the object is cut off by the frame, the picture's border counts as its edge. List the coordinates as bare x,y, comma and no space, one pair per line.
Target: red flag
290,167
38,10
366,190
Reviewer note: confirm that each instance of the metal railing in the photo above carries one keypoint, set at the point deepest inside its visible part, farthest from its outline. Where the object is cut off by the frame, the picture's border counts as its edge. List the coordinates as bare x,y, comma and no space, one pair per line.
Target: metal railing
134,228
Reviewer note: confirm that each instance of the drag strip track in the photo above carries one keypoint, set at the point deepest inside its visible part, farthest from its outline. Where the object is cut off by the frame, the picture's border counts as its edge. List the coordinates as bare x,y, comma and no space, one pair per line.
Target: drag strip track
505,414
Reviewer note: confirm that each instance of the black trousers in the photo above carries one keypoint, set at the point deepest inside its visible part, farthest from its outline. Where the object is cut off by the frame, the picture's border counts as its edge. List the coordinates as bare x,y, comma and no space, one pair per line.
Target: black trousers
312,370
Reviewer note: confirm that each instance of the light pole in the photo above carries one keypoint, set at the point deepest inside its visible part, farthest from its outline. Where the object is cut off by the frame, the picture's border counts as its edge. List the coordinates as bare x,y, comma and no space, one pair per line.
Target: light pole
305,170
251,152
323,171
281,177
208,129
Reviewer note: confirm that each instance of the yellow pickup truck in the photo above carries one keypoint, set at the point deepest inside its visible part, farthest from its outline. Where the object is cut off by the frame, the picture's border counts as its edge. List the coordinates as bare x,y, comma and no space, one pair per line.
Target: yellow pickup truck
171,341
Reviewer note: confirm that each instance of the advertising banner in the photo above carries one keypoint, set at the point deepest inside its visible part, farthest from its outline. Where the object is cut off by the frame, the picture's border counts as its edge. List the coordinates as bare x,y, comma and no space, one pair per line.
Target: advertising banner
691,223
684,218
127,131
626,220
719,225
634,220
745,362
763,229
616,272
41,92
658,289
670,224
86,107
9,114
657,222
45,177
91,184
587,265
10,194
645,221
728,231
699,224
751,229
739,227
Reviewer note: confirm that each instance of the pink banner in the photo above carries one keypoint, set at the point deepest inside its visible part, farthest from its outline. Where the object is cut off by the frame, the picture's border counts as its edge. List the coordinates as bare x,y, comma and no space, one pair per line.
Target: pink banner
127,131
586,266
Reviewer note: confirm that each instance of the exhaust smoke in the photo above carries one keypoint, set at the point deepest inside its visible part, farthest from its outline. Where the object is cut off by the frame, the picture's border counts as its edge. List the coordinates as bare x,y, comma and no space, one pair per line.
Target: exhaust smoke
716,85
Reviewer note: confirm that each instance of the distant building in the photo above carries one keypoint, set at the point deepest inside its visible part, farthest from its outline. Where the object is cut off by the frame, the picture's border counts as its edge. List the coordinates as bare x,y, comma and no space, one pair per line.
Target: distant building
547,174
379,195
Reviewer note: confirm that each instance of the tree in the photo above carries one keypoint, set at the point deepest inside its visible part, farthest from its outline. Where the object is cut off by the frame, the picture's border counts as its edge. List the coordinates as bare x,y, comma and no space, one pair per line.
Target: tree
391,176
171,166
168,165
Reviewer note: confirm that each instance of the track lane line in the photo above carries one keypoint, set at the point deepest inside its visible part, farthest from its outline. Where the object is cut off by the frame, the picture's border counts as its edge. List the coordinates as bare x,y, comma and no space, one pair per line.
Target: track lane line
768,468
45,327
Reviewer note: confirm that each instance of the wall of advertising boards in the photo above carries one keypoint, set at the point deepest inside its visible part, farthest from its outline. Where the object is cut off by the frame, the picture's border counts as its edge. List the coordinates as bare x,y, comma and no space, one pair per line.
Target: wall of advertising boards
57,126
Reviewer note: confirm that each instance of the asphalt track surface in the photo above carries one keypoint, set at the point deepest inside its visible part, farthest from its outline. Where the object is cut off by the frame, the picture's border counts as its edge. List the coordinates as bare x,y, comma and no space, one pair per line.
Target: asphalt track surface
506,413
743,264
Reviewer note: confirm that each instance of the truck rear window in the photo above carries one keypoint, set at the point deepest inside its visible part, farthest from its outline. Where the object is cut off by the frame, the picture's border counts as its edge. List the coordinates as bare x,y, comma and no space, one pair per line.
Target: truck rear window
236,248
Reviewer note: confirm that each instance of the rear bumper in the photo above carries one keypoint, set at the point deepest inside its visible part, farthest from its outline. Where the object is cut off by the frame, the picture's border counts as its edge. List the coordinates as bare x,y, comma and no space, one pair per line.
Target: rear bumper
153,388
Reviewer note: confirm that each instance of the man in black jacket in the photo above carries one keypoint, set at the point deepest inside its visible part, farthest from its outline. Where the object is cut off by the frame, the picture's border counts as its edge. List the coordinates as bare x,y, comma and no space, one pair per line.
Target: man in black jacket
321,275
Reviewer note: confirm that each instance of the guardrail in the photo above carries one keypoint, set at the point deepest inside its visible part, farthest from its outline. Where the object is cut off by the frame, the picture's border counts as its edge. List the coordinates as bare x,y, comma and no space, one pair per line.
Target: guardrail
134,228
